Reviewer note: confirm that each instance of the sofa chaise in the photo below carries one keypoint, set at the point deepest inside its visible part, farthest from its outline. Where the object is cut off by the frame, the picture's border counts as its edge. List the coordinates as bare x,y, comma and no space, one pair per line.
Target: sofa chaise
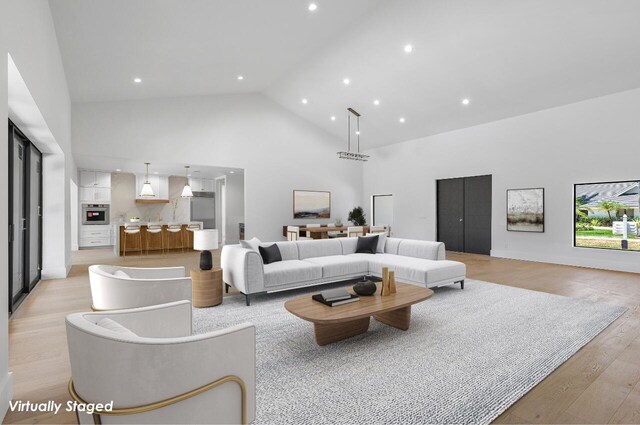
316,262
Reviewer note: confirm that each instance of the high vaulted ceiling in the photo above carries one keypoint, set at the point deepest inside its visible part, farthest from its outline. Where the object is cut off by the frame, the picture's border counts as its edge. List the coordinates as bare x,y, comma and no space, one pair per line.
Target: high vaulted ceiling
507,57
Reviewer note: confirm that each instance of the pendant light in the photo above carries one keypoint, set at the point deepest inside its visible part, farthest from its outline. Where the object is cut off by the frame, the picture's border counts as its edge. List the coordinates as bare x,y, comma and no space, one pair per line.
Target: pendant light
147,190
186,190
348,154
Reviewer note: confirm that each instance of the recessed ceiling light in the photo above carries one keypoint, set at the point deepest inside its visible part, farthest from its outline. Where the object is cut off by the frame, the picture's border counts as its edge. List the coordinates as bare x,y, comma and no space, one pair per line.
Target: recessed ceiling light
231,172
137,80
465,101
155,172
313,7
346,81
376,102
118,170
357,133
401,119
408,48
304,100
240,77
333,117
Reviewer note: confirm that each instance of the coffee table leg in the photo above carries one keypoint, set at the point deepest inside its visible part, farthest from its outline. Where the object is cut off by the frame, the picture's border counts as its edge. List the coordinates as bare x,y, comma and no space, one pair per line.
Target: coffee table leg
327,334
400,318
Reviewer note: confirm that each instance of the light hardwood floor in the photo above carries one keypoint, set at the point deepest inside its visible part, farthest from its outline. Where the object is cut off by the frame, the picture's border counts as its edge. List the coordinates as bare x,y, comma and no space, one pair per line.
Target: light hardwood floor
600,384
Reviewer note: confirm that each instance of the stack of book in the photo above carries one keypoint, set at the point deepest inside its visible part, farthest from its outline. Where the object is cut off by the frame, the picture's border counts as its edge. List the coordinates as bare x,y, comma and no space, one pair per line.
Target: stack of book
335,297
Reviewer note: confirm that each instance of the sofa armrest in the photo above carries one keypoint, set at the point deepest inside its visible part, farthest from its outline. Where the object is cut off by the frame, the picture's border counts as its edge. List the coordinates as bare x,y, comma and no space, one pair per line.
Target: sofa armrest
242,268
155,272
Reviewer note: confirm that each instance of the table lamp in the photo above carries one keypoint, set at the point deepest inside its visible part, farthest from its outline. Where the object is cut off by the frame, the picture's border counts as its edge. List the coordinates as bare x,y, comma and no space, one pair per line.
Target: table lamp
204,241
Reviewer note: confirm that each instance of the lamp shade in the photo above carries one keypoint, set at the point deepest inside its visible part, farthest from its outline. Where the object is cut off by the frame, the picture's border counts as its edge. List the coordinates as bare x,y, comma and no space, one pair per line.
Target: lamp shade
187,192
205,240
147,190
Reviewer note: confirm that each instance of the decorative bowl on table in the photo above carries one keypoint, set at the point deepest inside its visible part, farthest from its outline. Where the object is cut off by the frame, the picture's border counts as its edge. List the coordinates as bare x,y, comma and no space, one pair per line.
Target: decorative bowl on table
365,288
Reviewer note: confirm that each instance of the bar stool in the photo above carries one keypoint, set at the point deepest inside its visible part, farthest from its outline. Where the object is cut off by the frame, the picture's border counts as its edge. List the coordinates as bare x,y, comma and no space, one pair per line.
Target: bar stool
155,229
175,228
132,229
192,227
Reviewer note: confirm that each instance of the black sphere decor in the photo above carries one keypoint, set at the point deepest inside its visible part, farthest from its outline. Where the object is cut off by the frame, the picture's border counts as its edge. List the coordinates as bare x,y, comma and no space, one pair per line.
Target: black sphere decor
365,288
206,261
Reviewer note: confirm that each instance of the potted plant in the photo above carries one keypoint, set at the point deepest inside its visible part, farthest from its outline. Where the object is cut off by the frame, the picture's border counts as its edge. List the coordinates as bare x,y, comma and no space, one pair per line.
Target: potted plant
357,217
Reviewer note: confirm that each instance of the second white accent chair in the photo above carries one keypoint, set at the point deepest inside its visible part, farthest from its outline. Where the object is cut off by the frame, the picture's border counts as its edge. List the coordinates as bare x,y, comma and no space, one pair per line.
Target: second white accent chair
140,357
115,287
355,231
293,234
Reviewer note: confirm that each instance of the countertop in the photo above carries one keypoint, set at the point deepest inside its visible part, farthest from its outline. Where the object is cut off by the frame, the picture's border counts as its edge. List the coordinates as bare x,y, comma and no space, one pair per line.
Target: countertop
164,223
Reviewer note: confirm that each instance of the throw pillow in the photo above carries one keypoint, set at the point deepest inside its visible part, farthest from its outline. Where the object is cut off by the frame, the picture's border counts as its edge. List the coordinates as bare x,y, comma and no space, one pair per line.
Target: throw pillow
114,326
382,239
121,274
367,244
270,254
252,243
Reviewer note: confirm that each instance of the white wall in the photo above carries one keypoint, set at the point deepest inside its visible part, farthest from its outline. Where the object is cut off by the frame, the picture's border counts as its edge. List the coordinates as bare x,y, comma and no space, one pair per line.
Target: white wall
279,151
31,41
234,206
591,141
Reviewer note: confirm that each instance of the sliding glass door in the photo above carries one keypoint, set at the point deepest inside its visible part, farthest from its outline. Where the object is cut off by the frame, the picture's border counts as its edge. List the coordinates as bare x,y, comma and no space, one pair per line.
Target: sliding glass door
25,216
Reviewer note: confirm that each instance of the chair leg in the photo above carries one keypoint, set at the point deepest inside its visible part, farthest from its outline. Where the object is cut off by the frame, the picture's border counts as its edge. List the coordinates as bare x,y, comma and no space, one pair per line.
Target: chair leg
125,245
462,284
246,296
147,239
226,287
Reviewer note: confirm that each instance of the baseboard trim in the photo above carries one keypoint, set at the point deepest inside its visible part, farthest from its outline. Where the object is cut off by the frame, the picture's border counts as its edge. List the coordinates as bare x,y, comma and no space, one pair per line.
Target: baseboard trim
6,393
55,273
625,265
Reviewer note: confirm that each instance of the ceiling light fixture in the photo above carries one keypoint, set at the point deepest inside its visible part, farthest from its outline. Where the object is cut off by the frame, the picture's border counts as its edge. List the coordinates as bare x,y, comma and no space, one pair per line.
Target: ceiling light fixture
408,48
346,81
118,170
240,77
313,7
401,120
333,118
137,80
304,101
465,101
231,172
376,102
186,190
355,156
147,190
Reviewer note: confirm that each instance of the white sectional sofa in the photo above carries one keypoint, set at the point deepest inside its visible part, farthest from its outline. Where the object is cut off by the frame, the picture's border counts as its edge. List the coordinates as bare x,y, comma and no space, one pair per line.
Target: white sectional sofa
315,262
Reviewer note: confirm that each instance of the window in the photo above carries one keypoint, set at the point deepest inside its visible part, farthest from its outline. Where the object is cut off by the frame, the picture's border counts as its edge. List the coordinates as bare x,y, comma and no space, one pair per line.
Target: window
600,210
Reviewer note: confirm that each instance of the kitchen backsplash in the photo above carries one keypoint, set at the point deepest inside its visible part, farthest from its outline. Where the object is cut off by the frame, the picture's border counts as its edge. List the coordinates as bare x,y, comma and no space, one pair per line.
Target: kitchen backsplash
124,207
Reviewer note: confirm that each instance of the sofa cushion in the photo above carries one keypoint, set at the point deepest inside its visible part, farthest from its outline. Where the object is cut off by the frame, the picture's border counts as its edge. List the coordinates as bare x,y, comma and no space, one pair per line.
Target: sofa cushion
421,249
391,245
270,254
416,270
319,248
348,245
367,244
289,272
382,239
341,265
288,250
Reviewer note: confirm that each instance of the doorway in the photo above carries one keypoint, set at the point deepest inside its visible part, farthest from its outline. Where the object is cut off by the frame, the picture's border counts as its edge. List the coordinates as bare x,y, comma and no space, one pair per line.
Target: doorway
382,210
464,214
25,216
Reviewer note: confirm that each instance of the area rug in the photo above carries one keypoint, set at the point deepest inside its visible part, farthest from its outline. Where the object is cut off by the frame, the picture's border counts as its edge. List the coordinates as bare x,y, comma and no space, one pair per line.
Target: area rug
468,355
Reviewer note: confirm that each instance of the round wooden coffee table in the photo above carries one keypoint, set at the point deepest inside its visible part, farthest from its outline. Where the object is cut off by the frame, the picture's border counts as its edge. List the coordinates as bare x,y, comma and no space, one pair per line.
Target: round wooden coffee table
332,324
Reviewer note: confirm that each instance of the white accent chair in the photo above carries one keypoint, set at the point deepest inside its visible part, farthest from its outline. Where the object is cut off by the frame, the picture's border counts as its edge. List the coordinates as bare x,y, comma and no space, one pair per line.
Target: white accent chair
148,363
383,228
115,288
293,234
355,231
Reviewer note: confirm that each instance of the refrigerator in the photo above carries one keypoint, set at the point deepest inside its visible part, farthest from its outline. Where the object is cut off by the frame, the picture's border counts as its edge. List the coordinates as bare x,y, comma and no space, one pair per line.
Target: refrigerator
203,208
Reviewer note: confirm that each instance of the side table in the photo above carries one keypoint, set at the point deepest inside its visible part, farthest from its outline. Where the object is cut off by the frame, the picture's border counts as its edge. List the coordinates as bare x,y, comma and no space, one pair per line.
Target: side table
206,287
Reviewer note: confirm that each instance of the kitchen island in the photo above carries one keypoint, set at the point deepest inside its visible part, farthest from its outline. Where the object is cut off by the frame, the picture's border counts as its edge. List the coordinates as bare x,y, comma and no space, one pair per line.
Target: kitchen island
153,241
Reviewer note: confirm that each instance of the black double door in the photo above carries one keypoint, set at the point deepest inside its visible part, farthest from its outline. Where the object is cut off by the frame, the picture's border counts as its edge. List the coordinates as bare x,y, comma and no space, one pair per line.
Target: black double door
464,214
25,216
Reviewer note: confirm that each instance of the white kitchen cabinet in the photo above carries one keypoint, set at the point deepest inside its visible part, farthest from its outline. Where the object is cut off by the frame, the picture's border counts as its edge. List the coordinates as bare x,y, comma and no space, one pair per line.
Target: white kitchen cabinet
90,178
95,235
208,185
202,185
103,179
89,195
